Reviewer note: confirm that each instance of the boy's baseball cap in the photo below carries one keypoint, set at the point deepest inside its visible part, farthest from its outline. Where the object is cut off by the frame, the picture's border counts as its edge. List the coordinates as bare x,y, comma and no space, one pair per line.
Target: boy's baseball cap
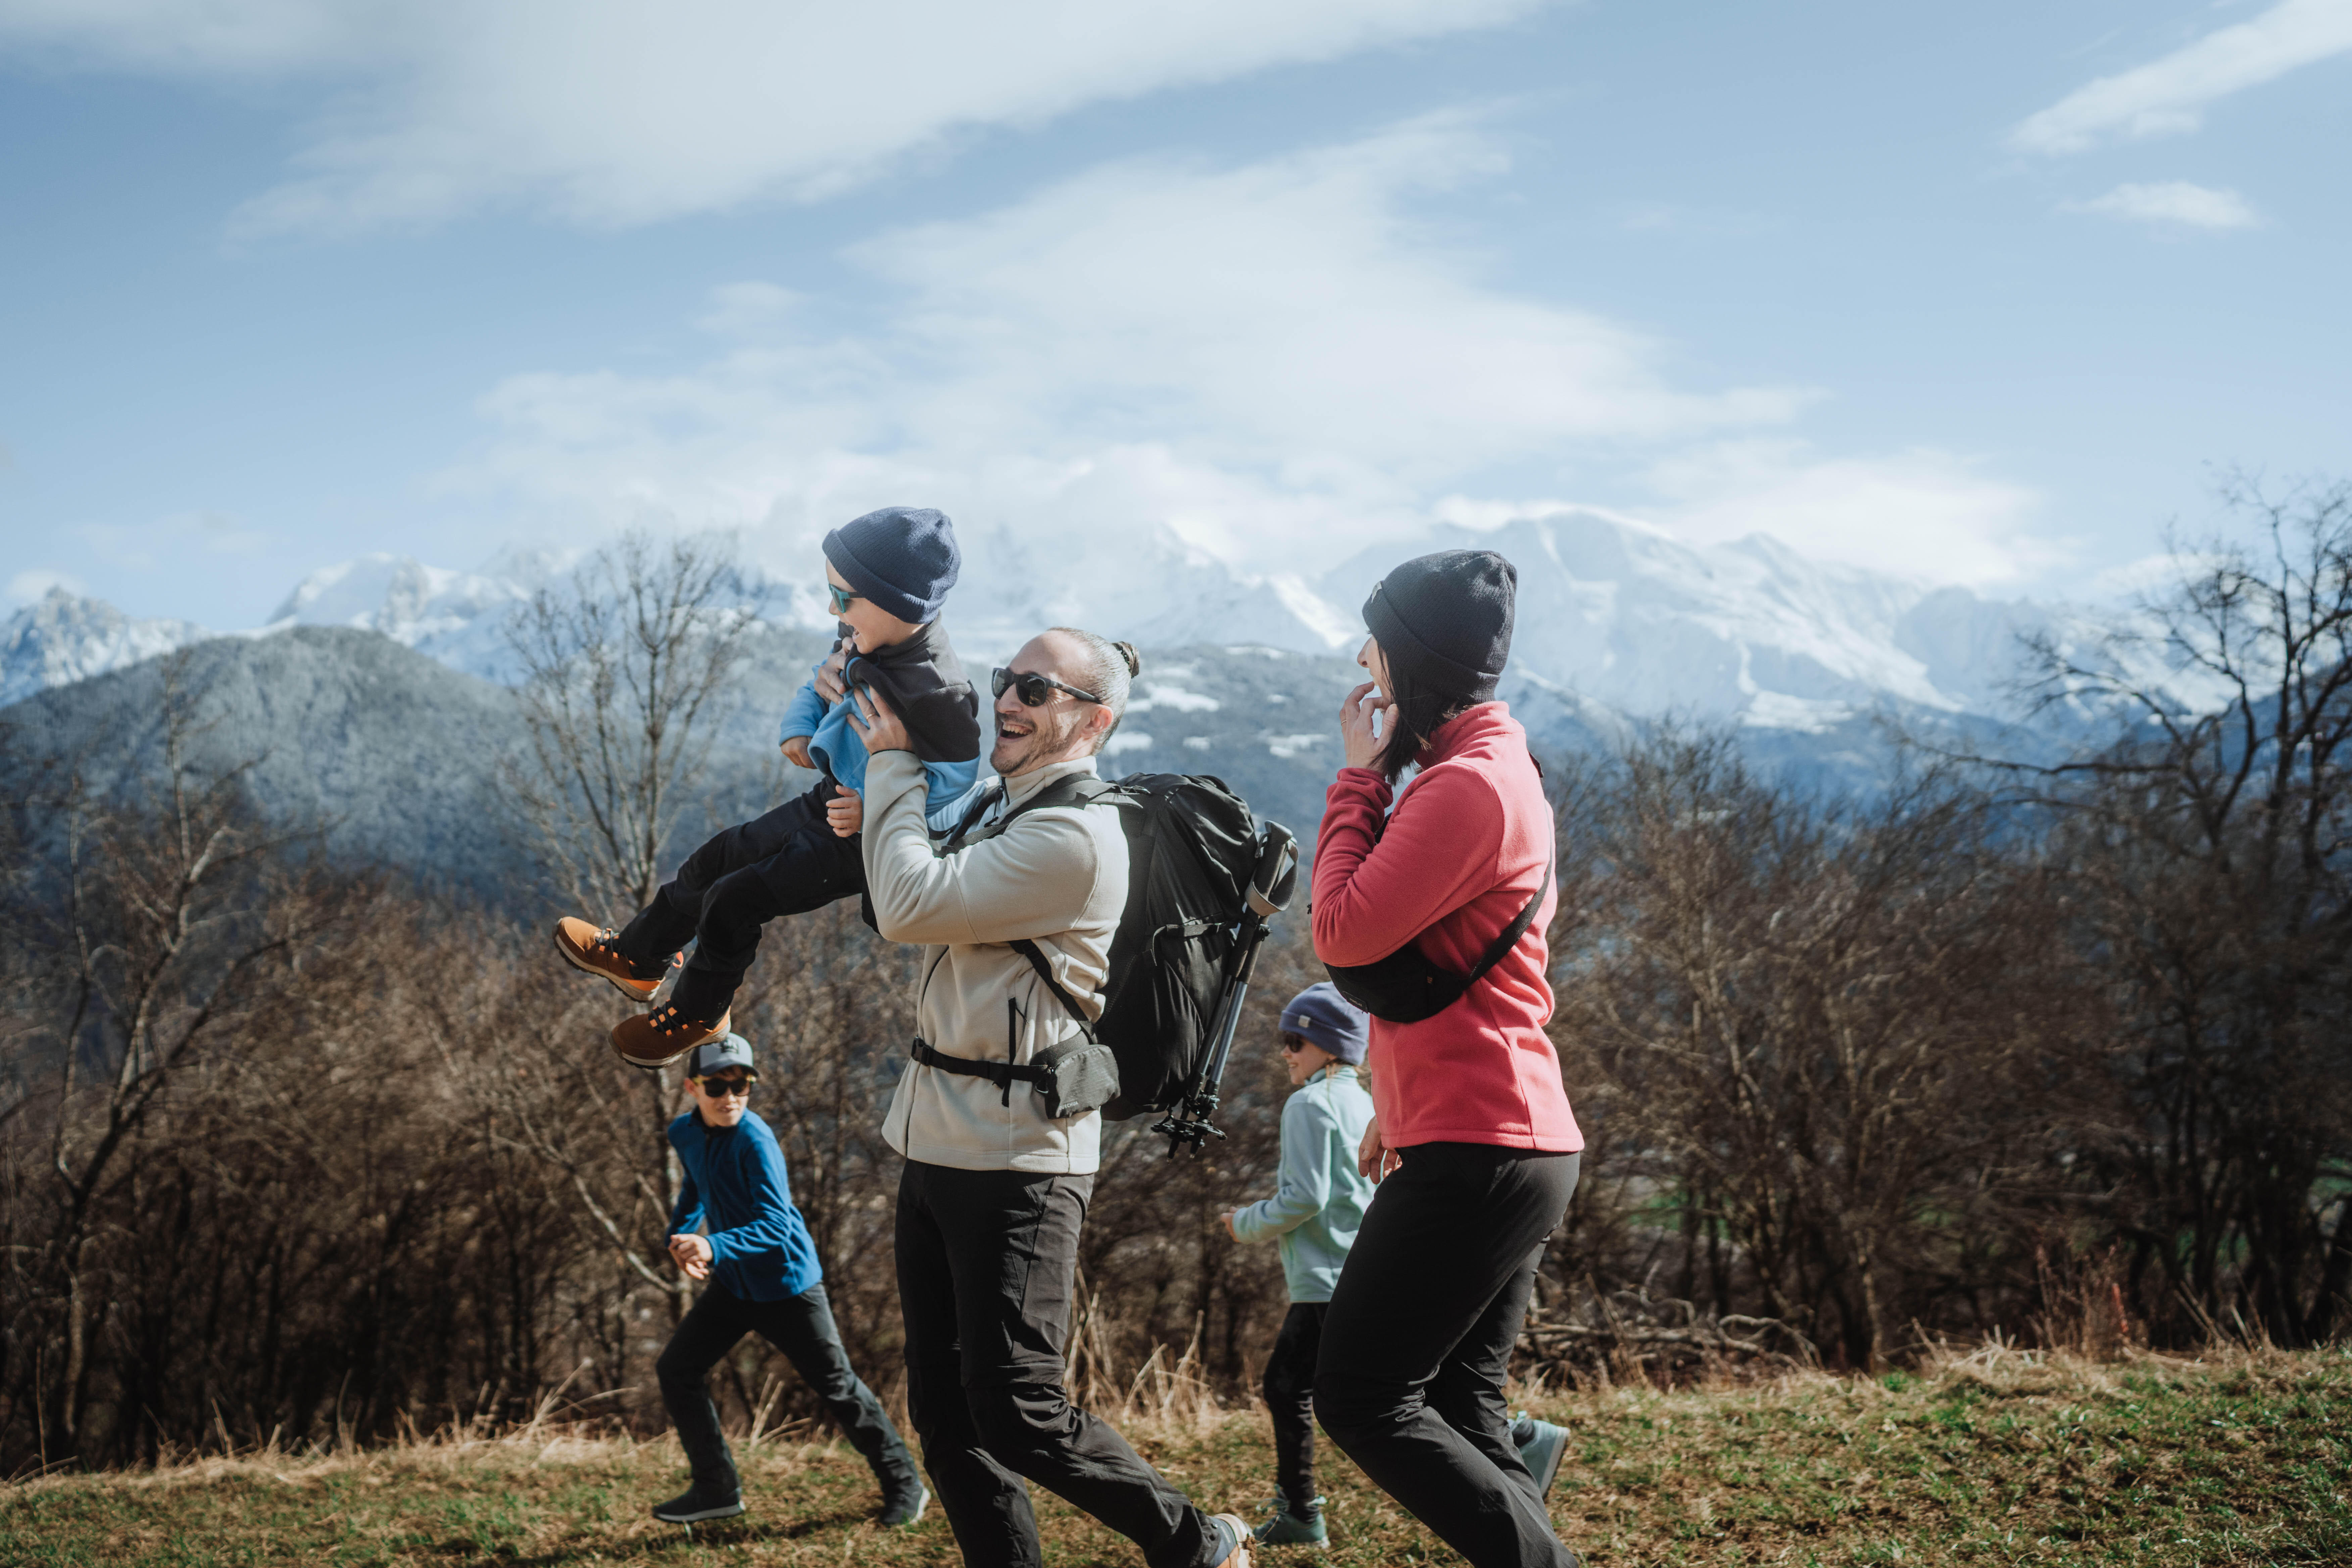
903,558
1322,1016
734,1051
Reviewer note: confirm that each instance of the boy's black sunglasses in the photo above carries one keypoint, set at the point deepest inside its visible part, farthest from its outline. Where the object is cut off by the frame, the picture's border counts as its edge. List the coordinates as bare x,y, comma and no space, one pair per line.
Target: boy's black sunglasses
716,1087
1036,690
842,598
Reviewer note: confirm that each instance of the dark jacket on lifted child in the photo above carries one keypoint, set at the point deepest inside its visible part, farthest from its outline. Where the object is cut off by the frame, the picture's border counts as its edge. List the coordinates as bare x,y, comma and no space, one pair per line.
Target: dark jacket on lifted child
790,861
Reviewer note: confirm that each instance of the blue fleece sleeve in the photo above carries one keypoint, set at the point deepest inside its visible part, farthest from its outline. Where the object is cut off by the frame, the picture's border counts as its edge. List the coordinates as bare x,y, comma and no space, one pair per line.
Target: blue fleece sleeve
1304,1185
803,712
763,1171
950,785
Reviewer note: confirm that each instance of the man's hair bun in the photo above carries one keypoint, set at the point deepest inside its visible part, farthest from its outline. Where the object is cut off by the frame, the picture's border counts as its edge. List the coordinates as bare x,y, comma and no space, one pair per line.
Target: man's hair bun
1134,659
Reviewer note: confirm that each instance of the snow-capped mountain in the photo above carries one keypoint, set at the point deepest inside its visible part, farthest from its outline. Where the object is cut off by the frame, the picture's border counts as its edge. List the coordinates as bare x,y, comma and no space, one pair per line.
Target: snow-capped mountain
458,617
1614,618
61,639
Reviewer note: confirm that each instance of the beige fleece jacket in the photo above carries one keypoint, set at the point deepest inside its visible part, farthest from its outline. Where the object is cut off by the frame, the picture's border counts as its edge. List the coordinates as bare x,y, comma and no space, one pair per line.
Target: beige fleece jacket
1058,877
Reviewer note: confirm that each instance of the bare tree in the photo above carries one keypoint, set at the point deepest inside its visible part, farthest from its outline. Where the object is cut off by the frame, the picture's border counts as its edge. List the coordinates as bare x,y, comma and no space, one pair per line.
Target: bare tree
626,670
174,909
2209,848
1808,1018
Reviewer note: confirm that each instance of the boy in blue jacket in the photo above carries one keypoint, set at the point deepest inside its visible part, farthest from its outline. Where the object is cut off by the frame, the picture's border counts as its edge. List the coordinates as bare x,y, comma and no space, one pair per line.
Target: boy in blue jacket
888,573
761,1277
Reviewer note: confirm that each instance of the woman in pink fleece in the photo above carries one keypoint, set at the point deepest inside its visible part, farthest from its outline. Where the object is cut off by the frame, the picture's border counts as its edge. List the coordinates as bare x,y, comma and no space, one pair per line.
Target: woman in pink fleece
1473,1141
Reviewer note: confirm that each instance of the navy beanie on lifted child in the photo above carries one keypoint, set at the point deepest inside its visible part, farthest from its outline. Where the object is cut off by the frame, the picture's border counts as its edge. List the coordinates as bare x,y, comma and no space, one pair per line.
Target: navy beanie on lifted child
902,558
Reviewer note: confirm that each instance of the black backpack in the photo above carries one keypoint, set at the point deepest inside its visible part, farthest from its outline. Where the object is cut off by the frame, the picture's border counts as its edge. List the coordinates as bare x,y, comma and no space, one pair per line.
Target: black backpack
1204,878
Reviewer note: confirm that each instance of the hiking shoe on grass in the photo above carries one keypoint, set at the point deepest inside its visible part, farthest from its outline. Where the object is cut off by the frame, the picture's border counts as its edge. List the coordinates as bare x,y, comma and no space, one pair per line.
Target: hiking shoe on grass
1283,1528
657,1038
694,1505
1541,1447
1234,1535
905,1511
585,946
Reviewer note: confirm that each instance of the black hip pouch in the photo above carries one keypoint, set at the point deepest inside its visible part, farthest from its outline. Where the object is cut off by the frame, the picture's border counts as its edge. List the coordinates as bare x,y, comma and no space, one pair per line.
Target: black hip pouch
1405,987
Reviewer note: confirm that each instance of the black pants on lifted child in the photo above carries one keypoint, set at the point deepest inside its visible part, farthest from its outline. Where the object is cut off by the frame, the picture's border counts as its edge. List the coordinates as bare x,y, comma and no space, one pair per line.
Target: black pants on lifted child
785,863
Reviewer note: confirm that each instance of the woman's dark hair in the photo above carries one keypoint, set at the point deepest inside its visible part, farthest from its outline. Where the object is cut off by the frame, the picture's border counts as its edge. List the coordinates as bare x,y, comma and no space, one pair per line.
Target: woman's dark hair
1418,711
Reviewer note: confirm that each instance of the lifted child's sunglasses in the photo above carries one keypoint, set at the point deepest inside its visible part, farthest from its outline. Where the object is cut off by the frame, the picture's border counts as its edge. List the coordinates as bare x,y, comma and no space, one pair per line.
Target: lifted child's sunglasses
1036,690
842,598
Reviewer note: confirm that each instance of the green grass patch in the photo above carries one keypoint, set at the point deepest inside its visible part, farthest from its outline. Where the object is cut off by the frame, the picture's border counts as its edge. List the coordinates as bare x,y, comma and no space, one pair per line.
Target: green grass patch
1999,1459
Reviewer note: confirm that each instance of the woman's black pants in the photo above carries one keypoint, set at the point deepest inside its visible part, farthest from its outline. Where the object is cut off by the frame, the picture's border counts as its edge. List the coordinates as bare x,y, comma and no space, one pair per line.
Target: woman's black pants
1417,1343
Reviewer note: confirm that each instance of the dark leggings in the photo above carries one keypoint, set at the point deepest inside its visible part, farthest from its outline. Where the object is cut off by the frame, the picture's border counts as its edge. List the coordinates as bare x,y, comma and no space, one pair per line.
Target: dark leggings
1417,1343
784,863
1290,1389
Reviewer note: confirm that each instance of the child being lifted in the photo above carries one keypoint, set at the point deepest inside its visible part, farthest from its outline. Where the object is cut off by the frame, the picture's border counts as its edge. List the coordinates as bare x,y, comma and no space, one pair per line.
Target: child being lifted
889,572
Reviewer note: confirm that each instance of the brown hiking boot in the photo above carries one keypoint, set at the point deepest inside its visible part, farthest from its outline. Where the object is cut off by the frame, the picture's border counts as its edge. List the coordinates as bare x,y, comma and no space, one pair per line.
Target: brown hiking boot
657,1038
584,946
1241,1557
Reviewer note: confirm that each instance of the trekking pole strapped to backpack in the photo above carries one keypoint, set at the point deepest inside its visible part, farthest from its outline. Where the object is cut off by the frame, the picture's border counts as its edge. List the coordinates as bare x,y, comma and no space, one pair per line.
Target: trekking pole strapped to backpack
1271,884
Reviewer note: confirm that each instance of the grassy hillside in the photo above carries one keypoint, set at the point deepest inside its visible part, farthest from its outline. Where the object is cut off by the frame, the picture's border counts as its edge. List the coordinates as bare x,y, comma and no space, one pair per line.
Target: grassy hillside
1994,1459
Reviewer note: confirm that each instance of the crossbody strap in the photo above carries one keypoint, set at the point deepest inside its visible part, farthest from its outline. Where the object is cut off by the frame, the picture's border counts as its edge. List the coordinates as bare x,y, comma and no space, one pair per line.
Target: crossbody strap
1511,933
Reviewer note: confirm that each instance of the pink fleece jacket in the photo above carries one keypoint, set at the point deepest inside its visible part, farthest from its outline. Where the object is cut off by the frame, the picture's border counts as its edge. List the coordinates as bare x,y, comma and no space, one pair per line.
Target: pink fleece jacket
1467,845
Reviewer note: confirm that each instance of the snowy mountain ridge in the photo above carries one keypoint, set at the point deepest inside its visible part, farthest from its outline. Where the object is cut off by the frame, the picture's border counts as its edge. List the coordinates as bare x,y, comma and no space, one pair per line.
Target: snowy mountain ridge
1612,615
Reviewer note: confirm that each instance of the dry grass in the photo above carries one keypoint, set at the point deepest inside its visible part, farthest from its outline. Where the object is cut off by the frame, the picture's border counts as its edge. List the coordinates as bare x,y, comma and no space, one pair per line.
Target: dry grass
1986,1456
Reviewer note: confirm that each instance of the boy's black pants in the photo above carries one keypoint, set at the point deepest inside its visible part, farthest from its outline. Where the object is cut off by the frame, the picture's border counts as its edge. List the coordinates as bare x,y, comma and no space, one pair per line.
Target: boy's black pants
801,1327
1290,1389
1417,1343
785,863
987,1261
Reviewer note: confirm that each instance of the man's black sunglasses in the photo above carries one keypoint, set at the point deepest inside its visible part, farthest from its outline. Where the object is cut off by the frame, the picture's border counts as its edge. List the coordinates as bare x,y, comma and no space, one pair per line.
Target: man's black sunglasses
1036,690
716,1087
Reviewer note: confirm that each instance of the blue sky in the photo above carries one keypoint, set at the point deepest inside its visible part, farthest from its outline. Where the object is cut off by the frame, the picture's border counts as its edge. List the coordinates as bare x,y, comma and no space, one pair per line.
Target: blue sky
1978,294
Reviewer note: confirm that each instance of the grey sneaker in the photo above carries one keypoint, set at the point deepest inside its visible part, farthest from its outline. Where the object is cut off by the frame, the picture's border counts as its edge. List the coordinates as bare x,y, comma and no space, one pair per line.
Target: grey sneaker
903,1513
1541,1446
1234,1537
1283,1528
694,1505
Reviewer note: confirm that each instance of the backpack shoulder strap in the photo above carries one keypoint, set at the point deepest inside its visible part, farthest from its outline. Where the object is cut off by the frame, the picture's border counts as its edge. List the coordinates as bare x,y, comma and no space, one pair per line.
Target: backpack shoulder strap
1029,950
1077,789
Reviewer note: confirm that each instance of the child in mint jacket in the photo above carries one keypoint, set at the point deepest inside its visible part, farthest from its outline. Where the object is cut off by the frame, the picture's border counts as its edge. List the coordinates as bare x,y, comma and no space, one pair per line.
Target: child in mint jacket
1318,1204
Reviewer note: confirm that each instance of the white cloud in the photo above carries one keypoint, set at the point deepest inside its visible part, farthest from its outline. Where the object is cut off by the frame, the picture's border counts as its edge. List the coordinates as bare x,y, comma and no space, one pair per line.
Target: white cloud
615,112
2170,94
1273,361
2173,202
35,581
1923,515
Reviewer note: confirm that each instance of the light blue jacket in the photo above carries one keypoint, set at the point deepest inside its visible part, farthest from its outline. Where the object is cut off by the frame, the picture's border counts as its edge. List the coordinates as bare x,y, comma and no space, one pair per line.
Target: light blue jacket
835,746
1319,1200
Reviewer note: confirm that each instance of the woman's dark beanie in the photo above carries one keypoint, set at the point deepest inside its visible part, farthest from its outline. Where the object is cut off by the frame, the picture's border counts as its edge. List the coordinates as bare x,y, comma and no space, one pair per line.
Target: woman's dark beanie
1444,620
903,558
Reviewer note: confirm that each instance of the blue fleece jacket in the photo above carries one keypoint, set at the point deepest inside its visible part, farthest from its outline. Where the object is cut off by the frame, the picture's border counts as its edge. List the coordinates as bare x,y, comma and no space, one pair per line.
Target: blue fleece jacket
835,746
1320,1196
759,1247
